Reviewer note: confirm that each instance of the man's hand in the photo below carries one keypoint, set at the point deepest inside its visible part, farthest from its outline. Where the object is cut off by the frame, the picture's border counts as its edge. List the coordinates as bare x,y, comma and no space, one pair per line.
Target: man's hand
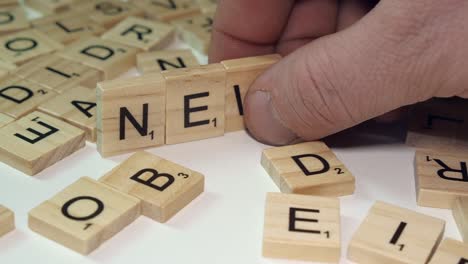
347,61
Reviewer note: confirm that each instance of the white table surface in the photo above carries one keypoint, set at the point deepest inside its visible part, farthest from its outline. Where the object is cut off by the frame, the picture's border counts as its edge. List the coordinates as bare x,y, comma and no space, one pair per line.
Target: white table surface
224,224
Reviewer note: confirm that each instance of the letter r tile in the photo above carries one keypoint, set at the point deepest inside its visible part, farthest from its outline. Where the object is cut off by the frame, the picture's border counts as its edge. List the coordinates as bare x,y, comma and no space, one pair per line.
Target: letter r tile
302,227
163,187
308,168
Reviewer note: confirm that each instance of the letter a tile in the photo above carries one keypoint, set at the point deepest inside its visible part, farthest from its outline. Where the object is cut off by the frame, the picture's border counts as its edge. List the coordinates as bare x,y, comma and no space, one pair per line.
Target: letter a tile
302,227
451,251
308,168
392,234
84,215
163,187
441,178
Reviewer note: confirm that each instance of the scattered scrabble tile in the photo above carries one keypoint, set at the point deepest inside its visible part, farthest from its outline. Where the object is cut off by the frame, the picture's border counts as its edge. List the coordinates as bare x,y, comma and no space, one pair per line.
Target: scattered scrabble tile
8,2
308,168
84,215
109,57
77,106
302,227
12,19
19,47
107,13
439,124
37,141
59,74
451,251
163,187
195,103
130,114
460,214
69,27
19,97
158,61
7,220
196,31
50,6
441,178
240,74
5,119
140,33
390,234
166,10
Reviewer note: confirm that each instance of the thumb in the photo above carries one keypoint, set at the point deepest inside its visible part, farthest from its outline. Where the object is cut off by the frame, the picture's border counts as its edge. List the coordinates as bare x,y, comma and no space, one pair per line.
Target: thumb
343,79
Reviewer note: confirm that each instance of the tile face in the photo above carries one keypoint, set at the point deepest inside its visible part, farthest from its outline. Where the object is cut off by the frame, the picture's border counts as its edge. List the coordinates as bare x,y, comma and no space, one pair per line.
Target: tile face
19,97
25,45
460,214
7,220
12,19
107,13
441,178
241,73
37,141
66,29
302,227
439,124
194,103
196,31
308,168
50,6
391,234
5,119
158,61
163,187
77,106
109,57
451,251
59,74
84,215
167,10
141,33
131,114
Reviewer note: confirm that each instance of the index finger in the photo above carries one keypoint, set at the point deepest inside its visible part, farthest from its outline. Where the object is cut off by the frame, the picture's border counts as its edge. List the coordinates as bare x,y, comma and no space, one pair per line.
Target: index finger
245,28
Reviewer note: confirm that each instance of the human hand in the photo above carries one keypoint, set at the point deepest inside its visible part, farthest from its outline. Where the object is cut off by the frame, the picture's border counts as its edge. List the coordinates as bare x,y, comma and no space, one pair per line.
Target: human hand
339,73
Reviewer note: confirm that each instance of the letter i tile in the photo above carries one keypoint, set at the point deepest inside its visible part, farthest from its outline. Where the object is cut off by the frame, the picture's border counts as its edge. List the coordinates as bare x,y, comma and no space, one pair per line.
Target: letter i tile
163,187
308,168
302,227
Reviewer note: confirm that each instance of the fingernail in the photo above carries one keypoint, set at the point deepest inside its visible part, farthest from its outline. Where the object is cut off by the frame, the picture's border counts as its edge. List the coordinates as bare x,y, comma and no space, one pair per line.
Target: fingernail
262,121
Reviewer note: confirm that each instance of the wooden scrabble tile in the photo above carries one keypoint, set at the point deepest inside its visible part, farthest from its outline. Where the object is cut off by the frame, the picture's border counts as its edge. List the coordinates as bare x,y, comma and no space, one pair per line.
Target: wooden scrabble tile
158,61
302,227
50,6
163,187
5,119
107,13
12,19
7,220
59,74
194,103
84,215
141,33
441,178
19,97
390,234
308,168
8,2
37,141
131,114
68,28
196,31
109,57
77,106
460,214
240,74
19,47
167,10
451,251
439,124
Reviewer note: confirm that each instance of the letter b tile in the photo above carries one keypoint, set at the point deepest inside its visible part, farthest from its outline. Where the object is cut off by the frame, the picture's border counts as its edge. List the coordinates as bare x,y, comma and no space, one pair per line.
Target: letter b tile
163,187
308,168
